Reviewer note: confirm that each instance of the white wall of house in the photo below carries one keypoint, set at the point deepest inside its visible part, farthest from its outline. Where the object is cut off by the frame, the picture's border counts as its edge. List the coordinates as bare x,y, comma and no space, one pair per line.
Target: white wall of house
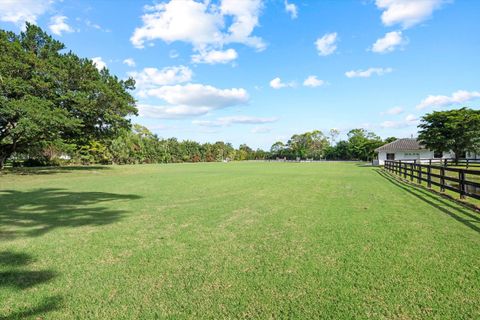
410,155
471,155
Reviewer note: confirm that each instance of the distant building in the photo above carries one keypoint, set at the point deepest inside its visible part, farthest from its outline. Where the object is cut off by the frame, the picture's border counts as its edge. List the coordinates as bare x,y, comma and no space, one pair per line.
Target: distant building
408,149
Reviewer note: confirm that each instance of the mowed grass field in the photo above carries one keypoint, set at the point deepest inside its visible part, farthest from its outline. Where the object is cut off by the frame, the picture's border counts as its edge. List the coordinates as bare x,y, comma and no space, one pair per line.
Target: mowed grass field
235,240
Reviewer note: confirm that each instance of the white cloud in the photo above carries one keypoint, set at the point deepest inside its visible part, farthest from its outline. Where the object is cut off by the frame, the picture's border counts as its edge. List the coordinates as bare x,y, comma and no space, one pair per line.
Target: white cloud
170,112
187,21
390,124
367,73
260,130
326,45
458,97
291,9
58,25
278,84
407,12
390,42
129,62
410,120
20,11
150,78
90,24
96,26
227,121
394,111
99,63
312,81
215,56
202,24
199,95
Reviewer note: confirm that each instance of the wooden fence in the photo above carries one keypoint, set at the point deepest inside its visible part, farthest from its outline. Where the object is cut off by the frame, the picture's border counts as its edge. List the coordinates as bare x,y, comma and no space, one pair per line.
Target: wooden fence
467,163
465,182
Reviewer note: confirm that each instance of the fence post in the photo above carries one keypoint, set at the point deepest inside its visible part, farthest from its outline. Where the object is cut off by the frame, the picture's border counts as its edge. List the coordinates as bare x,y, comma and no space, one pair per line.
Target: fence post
429,176
442,179
419,180
411,171
405,170
461,184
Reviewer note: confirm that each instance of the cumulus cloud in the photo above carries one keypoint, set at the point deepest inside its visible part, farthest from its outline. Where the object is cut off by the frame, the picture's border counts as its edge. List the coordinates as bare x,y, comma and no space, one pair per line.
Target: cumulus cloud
367,73
326,45
394,111
170,112
215,56
204,25
410,120
458,97
200,95
129,62
407,13
291,9
390,42
99,63
150,78
227,121
312,81
278,84
58,25
20,11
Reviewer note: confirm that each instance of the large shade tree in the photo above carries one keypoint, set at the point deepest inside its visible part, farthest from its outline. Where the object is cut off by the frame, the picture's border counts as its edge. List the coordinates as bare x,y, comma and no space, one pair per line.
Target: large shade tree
453,130
362,144
47,94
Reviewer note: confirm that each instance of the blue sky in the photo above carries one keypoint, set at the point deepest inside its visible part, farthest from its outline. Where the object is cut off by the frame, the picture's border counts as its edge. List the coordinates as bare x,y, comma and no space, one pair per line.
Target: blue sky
253,71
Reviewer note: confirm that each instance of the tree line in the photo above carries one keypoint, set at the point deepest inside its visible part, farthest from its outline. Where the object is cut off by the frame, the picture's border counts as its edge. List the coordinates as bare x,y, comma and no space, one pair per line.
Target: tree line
359,145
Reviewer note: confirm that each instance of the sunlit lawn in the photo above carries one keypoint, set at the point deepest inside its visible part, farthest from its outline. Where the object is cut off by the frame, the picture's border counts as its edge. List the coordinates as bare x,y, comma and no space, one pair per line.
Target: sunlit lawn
236,240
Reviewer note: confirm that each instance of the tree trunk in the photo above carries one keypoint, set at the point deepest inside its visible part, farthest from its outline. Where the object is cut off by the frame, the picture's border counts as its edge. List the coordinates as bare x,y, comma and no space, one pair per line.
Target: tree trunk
457,156
3,158
5,153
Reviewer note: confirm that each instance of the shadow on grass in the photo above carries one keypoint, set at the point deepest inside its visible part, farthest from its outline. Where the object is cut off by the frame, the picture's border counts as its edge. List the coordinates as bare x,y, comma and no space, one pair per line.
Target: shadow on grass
33,213
50,170
365,165
16,276
47,305
456,211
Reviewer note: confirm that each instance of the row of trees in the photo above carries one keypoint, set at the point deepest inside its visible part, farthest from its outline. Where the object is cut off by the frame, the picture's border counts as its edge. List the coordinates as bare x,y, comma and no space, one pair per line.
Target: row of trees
360,145
133,146
139,145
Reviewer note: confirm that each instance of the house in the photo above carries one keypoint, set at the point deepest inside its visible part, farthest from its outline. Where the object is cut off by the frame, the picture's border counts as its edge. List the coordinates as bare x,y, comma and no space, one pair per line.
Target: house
408,149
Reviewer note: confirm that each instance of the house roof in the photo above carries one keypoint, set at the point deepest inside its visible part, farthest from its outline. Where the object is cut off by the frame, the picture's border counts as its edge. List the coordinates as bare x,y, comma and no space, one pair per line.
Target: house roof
402,145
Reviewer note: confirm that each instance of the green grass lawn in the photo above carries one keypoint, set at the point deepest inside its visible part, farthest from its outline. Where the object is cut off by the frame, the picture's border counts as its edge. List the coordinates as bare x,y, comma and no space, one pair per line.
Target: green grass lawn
236,240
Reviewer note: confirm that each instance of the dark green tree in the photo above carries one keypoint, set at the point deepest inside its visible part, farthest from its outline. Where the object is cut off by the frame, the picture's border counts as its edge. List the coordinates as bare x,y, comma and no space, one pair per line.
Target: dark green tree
453,130
363,143
48,95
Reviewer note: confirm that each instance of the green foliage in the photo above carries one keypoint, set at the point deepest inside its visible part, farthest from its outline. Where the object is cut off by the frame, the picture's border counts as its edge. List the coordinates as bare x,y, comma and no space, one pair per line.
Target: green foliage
311,145
47,95
361,145
455,130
